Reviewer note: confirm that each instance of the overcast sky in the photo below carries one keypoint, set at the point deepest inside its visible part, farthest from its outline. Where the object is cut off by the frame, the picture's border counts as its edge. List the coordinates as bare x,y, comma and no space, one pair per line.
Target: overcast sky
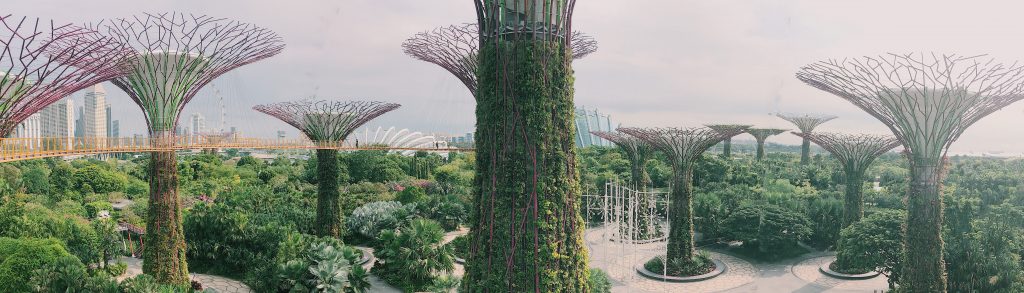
660,62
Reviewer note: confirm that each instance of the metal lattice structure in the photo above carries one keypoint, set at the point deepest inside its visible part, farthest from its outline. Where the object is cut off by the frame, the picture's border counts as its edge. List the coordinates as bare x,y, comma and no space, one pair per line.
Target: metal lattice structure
637,152
762,134
455,49
927,100
326,121
683,146
177,54
173,56
42,62
855,152
726,129
806,123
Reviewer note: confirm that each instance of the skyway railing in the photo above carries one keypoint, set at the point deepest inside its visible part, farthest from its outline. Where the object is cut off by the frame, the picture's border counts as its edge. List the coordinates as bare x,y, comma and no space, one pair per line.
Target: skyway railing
16,149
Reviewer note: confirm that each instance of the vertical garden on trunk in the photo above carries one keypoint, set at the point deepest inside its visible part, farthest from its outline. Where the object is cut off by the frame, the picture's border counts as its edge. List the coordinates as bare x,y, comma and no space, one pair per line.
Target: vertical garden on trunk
527,233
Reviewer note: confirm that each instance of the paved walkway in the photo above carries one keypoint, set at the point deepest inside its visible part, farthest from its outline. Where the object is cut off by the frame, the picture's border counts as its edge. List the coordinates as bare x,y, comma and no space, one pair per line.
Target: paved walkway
220,284
794,275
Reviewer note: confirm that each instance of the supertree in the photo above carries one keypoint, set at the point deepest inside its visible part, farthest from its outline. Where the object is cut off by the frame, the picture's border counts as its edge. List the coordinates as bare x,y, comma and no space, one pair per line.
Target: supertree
683,146
327,123
761,134
455,49
637,152
727,142
174,56
42,62
527,230
806,123
927,100
855,152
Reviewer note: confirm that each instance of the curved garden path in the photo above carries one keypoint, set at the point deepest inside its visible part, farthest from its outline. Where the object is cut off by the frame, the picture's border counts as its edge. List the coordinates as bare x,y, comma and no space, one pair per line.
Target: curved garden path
220,284
799,274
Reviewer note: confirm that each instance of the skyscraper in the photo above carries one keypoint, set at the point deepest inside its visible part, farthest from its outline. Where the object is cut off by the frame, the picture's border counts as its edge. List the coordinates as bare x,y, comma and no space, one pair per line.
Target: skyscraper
110,123
57,123
94,117
31,127
198,123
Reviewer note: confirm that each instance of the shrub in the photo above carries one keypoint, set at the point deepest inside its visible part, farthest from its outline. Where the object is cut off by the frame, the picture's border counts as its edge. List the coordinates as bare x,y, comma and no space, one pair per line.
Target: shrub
699,265
66,274
307,263
92,209
446,210
224,240
117,269
460,246
20,257
874,243
826,215
369,220
769,228
359,194
599,282
412,194
411,257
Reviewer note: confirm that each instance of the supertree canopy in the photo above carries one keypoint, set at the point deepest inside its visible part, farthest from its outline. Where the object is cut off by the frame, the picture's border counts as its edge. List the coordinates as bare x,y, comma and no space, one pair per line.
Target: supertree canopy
327,123
637,152
455,49
855,152
762,134
527,230
927,100
42,62
683,146
806,123
174,56
728,128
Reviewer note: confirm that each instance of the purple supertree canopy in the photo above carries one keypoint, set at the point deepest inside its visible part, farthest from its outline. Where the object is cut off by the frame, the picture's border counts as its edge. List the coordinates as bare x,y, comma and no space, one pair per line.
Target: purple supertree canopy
326,121
455,49
42,62
176,54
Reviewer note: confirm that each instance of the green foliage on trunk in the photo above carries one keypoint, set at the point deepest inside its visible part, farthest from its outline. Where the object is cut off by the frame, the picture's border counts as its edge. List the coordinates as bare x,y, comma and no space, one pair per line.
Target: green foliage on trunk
165,239
329,220
527,229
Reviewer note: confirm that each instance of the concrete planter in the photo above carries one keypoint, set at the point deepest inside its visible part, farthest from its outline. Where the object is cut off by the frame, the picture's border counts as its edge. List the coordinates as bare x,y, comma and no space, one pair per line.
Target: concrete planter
827,270
720,268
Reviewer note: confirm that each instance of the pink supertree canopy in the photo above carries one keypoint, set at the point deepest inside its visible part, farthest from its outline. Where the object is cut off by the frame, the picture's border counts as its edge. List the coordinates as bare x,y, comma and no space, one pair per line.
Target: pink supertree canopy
42,62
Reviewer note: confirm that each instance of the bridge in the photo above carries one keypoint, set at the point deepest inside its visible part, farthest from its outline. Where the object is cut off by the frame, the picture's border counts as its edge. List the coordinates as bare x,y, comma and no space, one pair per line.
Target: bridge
18,149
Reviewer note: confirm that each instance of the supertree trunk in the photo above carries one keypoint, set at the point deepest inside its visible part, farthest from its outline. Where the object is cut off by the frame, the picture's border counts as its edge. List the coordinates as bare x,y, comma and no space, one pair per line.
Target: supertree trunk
727,148
641,181
165,239
805,152
760,150
680,236
924,269
328,208
527,233
854,202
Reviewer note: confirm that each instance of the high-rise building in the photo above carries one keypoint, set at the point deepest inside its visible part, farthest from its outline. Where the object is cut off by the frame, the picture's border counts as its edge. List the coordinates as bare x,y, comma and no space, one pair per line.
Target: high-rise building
281,134
110,123
57,123
94,117
198,123
30,128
